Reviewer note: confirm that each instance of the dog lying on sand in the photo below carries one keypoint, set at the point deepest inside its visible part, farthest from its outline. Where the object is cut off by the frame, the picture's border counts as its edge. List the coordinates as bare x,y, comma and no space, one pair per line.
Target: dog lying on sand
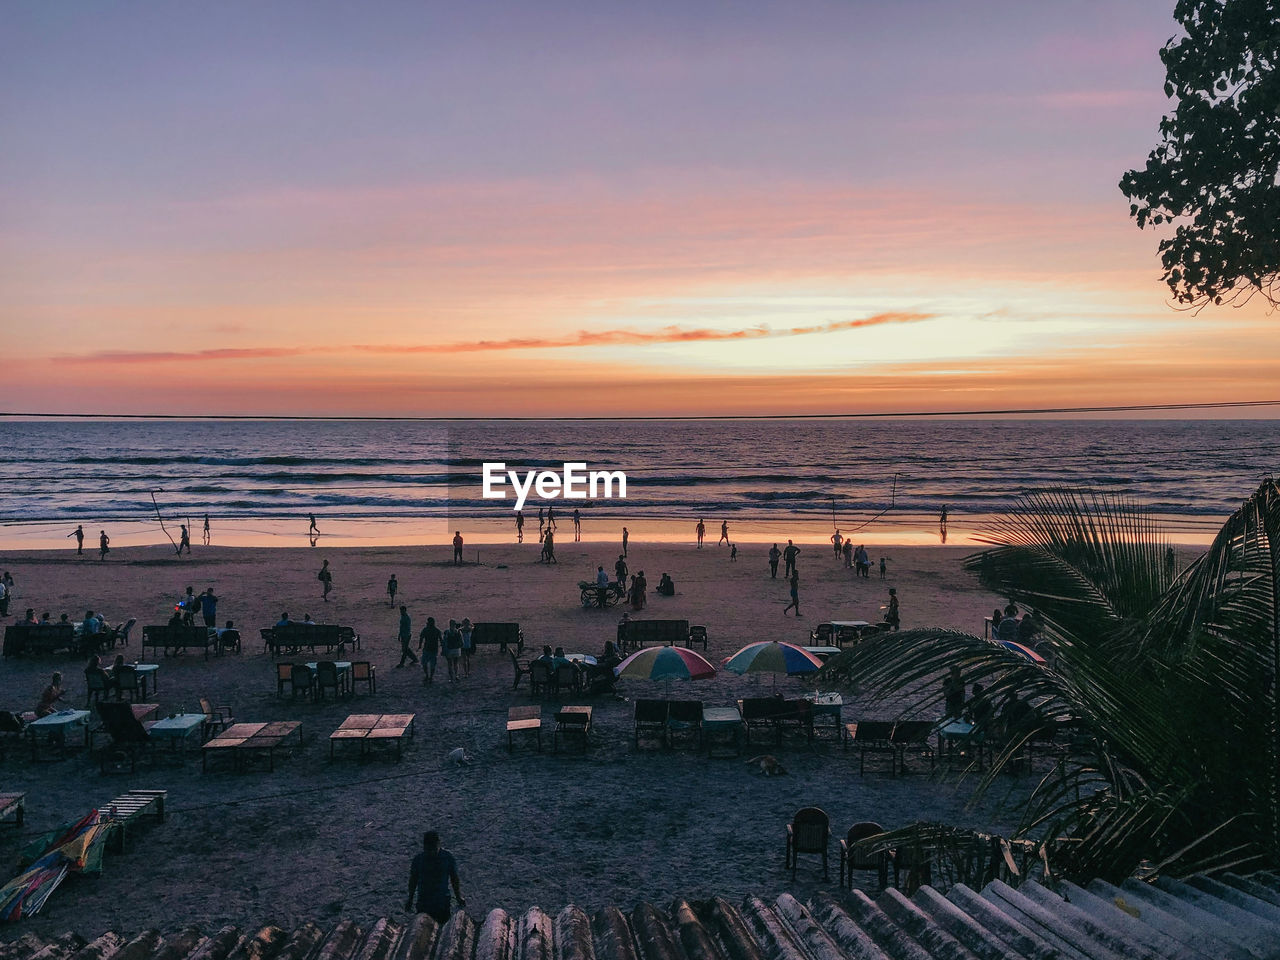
768,765
459,757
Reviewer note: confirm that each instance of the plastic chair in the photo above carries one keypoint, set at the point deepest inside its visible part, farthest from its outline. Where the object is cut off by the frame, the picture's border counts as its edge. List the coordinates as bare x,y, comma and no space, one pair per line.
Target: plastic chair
326,677
808,832
96,681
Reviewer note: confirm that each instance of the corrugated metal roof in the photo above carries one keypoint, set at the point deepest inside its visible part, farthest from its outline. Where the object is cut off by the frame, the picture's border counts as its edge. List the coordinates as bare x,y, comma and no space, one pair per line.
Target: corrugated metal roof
1228,918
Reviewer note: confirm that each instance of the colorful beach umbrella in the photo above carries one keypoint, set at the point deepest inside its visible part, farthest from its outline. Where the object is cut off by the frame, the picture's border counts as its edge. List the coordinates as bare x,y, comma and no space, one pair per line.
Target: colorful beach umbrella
1021,649
665,663
772,656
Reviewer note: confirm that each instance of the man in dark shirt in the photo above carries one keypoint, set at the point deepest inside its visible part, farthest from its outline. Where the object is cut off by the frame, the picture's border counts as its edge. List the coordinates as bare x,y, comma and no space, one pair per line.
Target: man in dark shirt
430,874
406,637
429,644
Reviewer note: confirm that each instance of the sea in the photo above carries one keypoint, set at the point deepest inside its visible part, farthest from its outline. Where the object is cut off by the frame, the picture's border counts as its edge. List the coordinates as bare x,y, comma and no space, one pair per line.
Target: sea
370,482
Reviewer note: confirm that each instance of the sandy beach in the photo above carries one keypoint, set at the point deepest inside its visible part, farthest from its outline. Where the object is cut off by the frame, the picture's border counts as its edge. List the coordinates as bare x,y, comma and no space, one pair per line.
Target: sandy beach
326,839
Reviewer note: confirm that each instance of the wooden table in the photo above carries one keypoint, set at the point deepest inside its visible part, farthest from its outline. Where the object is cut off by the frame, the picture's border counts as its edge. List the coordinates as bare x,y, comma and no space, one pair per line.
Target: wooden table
524,718
575,720
242,740
368,728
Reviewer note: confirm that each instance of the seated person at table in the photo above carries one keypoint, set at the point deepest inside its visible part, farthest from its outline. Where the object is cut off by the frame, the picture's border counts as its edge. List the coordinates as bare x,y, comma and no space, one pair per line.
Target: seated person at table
666,586
546,658
284,620
229,636
978,710
600,678
94,668
558,659
49,697
602,577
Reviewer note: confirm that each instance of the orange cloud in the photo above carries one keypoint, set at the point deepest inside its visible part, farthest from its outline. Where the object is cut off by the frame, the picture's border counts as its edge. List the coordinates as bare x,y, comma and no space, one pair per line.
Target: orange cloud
582,338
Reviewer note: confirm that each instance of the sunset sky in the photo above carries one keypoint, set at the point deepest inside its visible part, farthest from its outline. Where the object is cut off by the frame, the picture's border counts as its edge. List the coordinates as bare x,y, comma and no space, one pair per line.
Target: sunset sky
590,208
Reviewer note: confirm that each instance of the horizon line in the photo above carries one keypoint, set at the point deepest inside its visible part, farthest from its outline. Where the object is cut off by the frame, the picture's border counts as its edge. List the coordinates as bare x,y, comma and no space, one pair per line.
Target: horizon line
905,414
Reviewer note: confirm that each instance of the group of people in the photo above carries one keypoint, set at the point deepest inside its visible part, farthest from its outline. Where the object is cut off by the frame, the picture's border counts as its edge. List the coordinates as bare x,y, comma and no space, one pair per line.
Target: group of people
547,525
1008,627
206,603
454,642
701,531
104,542
855,558
595,677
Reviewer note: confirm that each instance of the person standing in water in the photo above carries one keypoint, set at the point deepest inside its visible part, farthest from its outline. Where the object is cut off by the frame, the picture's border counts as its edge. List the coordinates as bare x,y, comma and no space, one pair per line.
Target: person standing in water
519,526
205,534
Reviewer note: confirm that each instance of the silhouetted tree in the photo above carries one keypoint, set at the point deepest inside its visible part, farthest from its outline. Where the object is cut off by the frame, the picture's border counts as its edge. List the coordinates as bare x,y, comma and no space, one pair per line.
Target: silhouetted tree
1214,175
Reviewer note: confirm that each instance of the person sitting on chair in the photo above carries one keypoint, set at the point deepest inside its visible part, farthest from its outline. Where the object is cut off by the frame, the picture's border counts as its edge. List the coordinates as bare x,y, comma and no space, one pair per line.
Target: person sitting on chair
94,668
284,620
49,697
666,586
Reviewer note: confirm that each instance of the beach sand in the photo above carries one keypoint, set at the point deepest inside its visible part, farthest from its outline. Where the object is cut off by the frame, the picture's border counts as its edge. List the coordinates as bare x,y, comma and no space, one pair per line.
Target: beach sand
616,825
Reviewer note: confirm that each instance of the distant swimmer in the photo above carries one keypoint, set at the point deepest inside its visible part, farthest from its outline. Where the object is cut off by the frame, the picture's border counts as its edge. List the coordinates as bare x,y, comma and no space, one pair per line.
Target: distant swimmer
78,533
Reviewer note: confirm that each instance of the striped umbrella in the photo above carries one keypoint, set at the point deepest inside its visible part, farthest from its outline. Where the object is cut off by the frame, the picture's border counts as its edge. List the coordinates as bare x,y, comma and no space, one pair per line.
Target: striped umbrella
1021,649
772,656
665,663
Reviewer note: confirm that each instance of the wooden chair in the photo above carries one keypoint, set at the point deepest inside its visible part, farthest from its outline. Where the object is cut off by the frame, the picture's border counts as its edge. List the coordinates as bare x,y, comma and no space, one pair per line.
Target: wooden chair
520,669
362,672
650,718
127,682
808,832
326,676
540,678
302,679
852,859
216,719
284,673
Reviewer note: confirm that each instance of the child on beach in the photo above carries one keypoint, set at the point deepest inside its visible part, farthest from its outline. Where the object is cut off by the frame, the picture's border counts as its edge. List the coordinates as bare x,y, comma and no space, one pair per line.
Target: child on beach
733,553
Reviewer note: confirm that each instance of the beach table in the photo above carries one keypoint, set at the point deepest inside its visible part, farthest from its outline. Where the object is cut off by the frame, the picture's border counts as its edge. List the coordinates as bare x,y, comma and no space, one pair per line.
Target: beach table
370,728
850,624
243,740
582,658
148,674
822,653
178,730
825,713
574,720
344,674
953,738
722,726
526,719
55,727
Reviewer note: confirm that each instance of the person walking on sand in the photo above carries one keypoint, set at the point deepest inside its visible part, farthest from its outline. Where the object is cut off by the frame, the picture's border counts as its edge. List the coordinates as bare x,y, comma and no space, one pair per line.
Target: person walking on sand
104,544
406,637
452,643
431,874
466,629
549,547
78,533
184,540
313,530
789,556
848,554
542,524
892,616
577,526
551,517
326,579
625,536
795,595
774,556
724,532
519,526
393,587
205,532
429,644
620,570
457,548
702,532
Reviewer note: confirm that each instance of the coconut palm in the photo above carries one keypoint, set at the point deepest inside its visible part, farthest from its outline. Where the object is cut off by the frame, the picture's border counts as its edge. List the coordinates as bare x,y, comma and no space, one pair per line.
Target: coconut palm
1165,680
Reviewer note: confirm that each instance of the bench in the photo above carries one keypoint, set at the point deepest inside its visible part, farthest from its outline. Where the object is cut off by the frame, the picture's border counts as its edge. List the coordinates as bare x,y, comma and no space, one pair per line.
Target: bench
13,805
37,638
634,634
503,634
293,637
173,639
526,719
131,806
